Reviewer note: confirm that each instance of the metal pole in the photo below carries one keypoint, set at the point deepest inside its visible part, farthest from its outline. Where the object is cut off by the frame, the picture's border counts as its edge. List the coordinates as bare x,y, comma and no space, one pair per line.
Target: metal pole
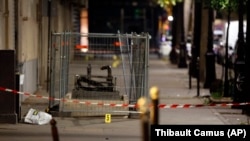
49,48
240,60
183,52
247,69
198,76
210,56
143,108
146,65
190,77
226,83
54,130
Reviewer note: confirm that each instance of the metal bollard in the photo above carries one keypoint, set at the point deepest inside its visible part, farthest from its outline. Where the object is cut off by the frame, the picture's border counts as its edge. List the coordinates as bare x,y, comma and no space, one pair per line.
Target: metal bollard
198,76
54,131
144,115
154,110
190,75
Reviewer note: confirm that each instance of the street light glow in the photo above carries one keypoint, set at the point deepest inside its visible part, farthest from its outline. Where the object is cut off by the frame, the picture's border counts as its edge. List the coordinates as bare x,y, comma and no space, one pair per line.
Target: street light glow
170,18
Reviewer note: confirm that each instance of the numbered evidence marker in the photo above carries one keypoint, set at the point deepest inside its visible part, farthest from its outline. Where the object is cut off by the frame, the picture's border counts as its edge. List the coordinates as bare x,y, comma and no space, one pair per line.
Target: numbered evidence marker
107,118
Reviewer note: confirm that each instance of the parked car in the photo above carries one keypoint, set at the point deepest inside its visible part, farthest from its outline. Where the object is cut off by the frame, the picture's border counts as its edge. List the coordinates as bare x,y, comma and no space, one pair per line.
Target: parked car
233,56
221,54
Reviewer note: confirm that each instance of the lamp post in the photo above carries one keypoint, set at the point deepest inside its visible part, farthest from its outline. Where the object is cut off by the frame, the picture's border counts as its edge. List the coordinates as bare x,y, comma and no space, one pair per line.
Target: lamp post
240,60
183,50
226,82
193,72
210,56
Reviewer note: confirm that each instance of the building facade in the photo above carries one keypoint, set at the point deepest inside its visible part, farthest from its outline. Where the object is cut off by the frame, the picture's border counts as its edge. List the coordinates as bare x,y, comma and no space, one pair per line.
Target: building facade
25,26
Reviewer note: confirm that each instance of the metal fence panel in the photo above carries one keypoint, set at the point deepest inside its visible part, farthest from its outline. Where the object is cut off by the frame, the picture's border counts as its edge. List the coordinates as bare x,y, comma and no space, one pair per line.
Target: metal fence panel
108,69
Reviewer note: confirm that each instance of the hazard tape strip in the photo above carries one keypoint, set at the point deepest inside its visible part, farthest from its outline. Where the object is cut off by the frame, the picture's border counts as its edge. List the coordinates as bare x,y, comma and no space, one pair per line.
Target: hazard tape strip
161,106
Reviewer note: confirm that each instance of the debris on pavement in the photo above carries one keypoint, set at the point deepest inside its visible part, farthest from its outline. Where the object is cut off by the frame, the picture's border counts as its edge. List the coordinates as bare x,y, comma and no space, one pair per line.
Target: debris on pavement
37,117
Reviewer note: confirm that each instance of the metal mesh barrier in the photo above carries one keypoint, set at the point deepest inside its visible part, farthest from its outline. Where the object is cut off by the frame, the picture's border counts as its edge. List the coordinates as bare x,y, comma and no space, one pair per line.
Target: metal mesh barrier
90,71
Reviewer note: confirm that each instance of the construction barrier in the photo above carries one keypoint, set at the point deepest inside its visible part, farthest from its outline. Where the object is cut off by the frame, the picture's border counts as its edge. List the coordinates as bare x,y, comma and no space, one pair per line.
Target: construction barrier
125,105
98,68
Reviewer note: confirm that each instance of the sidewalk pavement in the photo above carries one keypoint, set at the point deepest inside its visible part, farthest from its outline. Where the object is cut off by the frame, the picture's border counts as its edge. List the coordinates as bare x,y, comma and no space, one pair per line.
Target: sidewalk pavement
173,84
174,89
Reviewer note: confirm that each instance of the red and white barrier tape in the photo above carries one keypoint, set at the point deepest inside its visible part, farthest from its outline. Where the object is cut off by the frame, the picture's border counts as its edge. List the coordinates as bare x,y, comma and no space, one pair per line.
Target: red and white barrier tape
161,106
